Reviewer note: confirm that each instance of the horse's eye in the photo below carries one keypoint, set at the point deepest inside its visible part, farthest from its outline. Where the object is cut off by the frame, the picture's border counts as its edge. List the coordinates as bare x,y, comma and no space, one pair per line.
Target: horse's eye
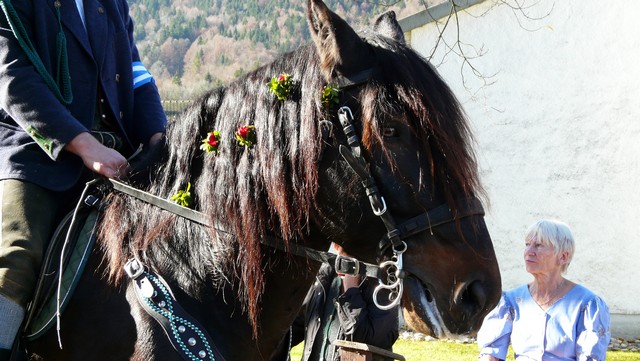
389,132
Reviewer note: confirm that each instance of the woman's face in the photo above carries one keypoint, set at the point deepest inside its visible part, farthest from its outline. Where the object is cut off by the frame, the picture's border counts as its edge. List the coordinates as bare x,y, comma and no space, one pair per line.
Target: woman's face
540,257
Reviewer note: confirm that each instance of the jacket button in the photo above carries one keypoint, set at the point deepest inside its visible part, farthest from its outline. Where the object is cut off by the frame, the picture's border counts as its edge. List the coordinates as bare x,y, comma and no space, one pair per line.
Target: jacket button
117,78
100,10
121,115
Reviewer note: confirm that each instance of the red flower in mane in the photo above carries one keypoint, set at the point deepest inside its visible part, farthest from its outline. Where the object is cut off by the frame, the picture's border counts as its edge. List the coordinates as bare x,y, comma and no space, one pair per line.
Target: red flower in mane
211,143
246,135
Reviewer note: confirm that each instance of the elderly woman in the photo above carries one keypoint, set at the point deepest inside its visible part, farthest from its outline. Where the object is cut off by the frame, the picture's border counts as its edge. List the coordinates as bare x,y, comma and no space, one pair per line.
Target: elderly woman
551,318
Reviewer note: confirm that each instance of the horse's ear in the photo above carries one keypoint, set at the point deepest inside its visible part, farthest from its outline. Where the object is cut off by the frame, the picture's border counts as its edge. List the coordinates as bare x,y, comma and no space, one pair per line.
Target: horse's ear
340,49
387,25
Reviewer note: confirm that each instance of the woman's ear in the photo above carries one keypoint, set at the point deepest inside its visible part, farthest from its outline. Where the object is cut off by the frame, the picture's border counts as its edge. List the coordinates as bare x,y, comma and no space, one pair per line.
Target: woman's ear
563,258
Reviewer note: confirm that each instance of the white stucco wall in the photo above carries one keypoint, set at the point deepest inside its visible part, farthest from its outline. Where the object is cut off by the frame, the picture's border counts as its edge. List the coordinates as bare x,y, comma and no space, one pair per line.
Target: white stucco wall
558,131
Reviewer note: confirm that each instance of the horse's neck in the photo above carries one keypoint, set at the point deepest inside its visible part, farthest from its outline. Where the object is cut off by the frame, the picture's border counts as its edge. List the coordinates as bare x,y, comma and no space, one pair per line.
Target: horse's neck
287,281
286,287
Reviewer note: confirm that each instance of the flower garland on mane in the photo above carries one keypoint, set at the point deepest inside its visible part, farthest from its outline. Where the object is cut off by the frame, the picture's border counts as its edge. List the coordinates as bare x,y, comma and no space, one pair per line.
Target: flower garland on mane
282,87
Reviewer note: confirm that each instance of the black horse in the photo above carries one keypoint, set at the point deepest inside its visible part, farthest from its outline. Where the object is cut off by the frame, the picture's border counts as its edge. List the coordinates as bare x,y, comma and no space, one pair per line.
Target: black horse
299,182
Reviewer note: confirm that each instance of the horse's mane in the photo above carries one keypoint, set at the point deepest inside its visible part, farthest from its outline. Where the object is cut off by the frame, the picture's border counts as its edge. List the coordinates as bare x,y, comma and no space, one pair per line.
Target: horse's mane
271,188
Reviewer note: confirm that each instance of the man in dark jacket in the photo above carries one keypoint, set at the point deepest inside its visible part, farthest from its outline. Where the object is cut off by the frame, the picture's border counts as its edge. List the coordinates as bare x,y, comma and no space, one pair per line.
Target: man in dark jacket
339,307
74,100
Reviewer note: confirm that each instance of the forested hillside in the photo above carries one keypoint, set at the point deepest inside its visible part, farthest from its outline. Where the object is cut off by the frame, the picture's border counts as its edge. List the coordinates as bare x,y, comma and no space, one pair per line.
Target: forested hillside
193,45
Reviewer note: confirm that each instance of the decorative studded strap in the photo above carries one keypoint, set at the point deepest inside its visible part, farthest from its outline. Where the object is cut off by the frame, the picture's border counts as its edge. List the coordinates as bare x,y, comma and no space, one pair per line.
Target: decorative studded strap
187,336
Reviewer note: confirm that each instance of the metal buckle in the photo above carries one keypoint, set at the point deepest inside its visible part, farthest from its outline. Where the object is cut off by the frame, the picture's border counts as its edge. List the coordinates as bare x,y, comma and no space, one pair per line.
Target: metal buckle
92,201
379,212
134,268
347,265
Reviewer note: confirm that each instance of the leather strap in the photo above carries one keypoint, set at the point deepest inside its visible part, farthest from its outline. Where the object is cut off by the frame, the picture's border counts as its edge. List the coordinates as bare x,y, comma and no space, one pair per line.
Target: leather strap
345,265
346,81
363,268
186,335
168,206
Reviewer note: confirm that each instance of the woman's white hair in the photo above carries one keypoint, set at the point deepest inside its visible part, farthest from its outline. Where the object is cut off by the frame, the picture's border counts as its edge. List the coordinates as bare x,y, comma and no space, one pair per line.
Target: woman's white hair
557,234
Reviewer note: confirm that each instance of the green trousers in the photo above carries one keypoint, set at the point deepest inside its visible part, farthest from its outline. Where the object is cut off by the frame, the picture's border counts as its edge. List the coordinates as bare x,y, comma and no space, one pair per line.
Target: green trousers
29,215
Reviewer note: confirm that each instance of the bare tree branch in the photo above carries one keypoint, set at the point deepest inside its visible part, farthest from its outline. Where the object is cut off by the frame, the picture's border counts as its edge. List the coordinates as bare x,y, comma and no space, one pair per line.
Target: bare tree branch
468,53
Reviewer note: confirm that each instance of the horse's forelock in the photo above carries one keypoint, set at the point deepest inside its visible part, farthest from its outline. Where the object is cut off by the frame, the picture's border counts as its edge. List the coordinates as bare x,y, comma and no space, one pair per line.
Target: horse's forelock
415,88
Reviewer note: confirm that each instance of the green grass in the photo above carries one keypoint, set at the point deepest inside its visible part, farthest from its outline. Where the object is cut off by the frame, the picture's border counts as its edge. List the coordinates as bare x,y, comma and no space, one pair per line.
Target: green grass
451,351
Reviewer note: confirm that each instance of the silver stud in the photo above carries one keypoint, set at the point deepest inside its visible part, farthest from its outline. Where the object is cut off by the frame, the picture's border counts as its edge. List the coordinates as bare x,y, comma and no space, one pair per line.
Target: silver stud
181,329
202,354
162,304
155,294
192,341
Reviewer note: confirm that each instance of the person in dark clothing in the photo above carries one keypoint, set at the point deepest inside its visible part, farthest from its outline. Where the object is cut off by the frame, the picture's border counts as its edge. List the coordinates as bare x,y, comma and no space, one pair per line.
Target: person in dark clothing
339,307
75,101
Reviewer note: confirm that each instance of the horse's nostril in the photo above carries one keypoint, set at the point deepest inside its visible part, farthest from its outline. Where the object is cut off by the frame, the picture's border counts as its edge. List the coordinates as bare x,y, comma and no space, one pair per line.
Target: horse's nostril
472,297
427,293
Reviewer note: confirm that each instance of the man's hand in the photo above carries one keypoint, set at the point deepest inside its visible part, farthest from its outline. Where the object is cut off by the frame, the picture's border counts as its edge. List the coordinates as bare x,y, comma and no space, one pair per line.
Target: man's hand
349,281
95,156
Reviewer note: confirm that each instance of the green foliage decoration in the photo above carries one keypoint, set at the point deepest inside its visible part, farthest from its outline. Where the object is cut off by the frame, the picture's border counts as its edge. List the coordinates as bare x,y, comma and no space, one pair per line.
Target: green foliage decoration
281,86
183,197
330,96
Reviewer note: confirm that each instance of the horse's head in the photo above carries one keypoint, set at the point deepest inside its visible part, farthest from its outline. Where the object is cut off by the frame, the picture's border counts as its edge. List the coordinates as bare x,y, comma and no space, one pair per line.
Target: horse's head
415,161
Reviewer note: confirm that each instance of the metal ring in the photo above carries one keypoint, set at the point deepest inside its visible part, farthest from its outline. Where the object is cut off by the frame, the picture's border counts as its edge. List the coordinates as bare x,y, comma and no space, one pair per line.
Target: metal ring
393,303
393,246
384,266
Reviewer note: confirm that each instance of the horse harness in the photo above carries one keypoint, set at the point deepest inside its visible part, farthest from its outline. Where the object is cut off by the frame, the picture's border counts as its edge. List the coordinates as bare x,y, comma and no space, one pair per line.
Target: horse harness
191,340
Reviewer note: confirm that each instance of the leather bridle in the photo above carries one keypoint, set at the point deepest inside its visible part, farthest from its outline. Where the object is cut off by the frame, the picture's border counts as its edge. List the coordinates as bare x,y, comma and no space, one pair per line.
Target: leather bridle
396,233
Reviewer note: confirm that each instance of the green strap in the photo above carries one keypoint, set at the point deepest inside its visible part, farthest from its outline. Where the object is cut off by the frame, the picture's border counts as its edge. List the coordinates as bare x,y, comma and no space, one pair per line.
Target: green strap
63,79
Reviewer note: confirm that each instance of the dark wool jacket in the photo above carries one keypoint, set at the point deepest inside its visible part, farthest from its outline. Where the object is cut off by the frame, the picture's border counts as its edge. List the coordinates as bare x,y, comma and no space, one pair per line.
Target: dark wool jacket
34,125
359,318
